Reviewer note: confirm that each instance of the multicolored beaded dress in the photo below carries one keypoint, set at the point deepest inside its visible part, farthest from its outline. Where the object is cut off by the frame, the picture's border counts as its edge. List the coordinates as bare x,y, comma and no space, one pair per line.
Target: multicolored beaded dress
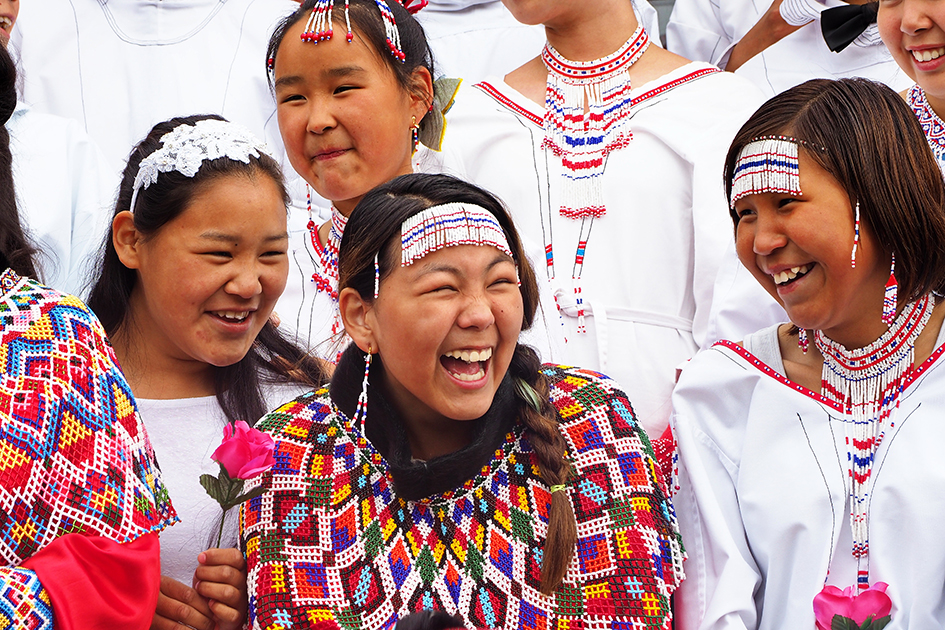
341,535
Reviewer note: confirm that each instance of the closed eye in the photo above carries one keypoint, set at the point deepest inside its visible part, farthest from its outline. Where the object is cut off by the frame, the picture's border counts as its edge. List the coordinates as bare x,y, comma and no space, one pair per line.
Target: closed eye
345,88
292,97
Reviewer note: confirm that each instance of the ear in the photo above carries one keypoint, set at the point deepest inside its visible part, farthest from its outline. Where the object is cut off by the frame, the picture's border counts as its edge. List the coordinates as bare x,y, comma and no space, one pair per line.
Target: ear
421,92
356,315
126,239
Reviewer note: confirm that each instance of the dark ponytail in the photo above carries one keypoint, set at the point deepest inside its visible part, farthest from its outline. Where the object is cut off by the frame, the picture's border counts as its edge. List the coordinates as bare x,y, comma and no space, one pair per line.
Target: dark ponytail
16,252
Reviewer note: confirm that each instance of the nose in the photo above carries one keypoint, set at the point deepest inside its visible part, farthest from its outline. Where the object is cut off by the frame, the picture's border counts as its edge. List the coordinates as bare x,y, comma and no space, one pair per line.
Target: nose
766,233
476,313
320,117
915,18
245,281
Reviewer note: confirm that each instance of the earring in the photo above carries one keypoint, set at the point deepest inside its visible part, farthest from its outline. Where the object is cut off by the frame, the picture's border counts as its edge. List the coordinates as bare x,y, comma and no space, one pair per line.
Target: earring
360,413
802,341
856,236
377,277
414,133
892,294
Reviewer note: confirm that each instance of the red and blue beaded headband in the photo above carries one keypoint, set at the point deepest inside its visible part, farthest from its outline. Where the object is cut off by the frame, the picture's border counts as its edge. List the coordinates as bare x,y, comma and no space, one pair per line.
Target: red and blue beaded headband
449,225
768,164
320,26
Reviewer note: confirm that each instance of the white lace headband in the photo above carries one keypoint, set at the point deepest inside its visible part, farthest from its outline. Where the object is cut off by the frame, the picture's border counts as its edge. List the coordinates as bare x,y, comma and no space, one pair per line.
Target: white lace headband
448,225
185,148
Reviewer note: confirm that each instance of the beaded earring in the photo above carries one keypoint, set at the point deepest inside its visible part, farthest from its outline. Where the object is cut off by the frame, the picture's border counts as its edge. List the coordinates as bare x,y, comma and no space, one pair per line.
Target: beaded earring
891,297
360,413
414,133
856,235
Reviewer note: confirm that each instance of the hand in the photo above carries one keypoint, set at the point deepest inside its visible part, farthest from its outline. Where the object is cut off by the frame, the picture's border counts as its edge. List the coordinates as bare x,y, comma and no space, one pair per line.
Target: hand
178,605
221,579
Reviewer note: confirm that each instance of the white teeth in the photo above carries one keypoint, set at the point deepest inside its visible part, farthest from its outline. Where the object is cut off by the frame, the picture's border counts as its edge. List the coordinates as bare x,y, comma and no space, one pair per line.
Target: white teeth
471,356
6,23
470,377
230,315
789,274
929,54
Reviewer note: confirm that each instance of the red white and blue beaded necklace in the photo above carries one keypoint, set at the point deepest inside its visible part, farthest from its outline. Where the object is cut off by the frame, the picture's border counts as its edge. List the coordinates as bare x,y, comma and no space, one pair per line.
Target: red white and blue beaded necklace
587,106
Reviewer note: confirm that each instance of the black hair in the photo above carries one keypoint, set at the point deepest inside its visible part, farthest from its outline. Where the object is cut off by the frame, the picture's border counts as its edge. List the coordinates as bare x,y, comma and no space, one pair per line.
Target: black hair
271,356
16,250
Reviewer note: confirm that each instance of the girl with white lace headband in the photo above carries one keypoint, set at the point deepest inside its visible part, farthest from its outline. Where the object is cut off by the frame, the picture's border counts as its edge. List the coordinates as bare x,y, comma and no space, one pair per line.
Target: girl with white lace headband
194,261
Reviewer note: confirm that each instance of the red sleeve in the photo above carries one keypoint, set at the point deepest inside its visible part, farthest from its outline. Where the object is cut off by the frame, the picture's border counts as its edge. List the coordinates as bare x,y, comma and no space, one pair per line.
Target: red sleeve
95,582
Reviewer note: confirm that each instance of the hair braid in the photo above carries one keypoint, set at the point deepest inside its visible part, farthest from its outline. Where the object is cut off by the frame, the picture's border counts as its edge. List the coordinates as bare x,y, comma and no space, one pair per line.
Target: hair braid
552,451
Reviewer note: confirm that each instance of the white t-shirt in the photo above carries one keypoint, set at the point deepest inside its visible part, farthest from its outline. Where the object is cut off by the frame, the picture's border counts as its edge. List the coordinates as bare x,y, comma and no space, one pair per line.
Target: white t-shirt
184,433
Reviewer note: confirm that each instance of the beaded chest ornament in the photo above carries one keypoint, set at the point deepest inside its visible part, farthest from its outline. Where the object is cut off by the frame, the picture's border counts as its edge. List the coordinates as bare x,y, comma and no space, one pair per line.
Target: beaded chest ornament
866,383
325,275
587,105
186,147
932,125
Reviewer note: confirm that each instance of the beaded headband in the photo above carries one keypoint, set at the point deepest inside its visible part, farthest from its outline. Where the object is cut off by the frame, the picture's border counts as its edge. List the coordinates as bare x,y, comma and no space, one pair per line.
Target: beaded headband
319,25
767,164
448,225
186,147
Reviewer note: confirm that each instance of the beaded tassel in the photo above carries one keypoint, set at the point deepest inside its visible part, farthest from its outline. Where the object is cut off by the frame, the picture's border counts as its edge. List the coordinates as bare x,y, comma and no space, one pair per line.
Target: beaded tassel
856,235
391,32
766,164
360,412
318,28
584,139
447,225
802,342
866,383
319,25
891,296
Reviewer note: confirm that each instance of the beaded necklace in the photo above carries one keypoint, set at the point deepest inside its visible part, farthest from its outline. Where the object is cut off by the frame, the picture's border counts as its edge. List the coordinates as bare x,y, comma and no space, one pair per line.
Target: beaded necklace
932,125
326,275
583,140
866,383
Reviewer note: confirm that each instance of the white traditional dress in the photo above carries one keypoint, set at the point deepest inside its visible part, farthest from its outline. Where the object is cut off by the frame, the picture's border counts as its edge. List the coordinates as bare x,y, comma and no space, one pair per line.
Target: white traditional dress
65,194
707,30
651,260
120,67
762,499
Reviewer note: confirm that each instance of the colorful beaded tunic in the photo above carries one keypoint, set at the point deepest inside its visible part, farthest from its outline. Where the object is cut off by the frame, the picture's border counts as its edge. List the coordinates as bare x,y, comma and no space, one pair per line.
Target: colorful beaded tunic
74,456
331,540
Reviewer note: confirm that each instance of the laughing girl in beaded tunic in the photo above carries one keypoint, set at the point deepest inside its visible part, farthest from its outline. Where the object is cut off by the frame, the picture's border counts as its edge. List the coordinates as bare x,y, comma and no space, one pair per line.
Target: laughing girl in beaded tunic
445,467
809,476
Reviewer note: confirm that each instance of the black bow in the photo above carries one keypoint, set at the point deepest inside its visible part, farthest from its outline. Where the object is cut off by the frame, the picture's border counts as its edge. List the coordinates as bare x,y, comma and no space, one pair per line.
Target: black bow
842,25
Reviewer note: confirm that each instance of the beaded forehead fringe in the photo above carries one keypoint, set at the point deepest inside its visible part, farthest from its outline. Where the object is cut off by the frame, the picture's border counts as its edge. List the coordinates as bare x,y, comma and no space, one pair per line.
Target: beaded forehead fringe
448,225
319,25
767,165
185,148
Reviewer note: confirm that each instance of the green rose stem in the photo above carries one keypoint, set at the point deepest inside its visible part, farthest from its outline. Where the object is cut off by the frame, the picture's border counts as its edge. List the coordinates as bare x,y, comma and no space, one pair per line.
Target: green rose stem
227,492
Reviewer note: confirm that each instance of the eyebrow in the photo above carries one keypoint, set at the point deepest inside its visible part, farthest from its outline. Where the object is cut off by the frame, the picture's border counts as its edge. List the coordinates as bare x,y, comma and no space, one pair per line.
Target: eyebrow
338,72
434,268
229,238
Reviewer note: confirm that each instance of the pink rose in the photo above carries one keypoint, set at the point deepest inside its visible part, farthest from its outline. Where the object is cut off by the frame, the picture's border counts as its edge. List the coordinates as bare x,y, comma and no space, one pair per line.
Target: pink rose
846,603
244,453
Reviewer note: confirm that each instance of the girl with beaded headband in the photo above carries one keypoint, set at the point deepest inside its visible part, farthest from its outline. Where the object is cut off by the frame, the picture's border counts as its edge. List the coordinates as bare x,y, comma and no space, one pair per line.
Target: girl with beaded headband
193,263
81,497
606,148
467,477
353,86
805,469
